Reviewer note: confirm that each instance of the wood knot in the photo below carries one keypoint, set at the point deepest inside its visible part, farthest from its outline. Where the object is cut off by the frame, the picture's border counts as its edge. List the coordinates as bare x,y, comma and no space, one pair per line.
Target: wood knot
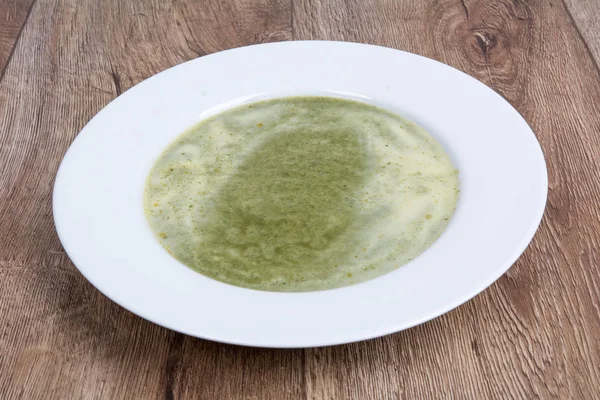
486,42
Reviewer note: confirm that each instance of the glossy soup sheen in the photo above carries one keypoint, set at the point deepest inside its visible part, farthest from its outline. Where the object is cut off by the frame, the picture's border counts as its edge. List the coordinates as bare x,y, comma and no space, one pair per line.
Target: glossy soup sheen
300,194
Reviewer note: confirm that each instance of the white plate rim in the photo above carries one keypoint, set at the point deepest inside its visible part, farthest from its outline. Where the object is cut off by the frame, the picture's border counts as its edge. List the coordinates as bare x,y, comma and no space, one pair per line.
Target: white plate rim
337,338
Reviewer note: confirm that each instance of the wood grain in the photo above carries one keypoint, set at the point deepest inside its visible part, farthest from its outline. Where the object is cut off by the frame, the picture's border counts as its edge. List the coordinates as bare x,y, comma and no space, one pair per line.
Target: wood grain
586,16
13,14
533,334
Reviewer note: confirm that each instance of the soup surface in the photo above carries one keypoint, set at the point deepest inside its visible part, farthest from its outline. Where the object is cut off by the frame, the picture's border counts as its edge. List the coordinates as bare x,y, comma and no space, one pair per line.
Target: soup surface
300,194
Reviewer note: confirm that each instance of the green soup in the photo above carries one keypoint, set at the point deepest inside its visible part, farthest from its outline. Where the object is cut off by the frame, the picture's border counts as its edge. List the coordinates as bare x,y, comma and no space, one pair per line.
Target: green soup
300,194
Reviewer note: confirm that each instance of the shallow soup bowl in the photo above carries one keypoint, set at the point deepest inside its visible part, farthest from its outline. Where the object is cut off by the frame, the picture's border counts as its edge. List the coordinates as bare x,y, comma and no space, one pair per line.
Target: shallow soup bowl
99,189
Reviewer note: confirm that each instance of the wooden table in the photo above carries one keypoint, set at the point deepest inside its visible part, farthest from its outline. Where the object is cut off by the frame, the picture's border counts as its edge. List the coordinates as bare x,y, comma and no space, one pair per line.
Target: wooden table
533,334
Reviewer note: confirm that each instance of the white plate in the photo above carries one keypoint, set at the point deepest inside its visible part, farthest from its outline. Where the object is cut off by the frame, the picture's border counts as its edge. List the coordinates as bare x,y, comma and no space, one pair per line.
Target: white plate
100,220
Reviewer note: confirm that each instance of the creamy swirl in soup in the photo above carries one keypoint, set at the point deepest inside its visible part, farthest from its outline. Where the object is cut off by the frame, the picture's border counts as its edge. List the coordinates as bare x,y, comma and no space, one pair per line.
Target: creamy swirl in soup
300,194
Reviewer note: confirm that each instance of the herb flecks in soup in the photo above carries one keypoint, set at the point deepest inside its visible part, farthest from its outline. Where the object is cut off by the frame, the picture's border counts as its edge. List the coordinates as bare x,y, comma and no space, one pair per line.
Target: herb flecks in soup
301,193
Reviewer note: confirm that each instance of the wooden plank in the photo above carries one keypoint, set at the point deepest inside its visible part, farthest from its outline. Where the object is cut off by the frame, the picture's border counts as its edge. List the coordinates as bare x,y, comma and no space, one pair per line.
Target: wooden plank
586,15
13,15
59,337
536,332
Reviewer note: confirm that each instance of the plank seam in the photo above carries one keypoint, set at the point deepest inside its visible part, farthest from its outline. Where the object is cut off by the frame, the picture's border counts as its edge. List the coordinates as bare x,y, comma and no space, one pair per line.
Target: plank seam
585,43
292,20
12,51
